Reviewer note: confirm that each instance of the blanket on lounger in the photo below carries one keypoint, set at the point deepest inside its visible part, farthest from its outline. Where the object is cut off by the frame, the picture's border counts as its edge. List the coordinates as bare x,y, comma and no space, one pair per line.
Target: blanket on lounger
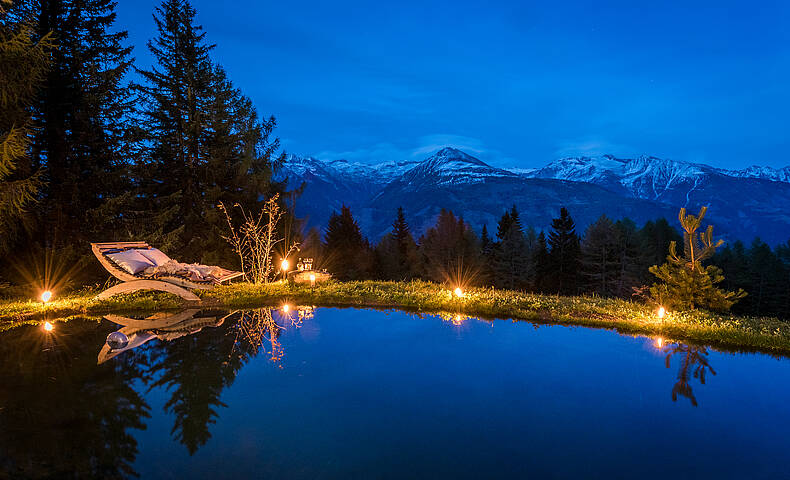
191,271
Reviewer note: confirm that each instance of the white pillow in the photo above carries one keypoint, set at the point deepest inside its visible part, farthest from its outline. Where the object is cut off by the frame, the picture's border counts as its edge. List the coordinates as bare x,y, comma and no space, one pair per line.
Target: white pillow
131,261
155,256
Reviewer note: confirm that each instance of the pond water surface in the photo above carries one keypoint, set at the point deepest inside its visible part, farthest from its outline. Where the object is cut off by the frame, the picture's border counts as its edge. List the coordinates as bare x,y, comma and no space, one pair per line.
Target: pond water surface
347,393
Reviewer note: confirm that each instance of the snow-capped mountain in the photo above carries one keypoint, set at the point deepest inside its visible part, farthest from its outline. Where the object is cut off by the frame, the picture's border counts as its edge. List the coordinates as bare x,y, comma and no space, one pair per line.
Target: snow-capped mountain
450,166
480,193
743,204
766,173
643,177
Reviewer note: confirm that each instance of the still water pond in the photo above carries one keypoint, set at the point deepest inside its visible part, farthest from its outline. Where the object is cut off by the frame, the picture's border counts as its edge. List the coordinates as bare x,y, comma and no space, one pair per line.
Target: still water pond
345,393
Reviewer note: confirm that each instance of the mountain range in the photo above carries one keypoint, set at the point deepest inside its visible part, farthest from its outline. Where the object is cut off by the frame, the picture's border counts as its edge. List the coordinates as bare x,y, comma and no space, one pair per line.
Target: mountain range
743,204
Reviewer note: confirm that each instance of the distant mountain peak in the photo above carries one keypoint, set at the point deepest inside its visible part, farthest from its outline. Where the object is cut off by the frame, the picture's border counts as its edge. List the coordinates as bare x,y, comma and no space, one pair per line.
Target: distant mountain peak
452,166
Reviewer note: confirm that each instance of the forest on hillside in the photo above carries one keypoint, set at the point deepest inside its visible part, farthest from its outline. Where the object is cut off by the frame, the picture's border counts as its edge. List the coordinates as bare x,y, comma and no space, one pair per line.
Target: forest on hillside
610,258
96,148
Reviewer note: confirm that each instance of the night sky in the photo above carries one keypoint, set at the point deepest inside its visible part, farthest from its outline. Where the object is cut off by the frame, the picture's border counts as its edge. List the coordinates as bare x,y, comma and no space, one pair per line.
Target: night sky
512,83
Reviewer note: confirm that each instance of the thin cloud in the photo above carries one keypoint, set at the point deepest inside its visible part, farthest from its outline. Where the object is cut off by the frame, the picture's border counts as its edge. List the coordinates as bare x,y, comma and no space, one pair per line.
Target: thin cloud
426,146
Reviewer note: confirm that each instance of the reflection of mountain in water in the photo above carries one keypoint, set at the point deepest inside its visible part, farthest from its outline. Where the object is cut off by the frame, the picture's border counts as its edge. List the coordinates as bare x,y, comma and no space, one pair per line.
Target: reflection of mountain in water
693,364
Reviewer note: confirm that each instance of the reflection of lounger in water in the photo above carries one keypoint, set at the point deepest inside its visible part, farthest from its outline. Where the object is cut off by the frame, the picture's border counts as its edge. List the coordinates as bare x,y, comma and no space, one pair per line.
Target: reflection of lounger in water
169,327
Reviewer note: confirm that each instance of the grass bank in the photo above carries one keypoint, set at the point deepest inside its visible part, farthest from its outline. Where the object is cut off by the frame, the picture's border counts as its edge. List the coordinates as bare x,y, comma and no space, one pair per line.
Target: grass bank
733,332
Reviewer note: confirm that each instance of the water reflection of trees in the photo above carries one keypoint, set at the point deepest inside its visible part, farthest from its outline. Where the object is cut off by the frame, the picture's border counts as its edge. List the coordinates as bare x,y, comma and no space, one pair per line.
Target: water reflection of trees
61,415
196,369
259,332
693,364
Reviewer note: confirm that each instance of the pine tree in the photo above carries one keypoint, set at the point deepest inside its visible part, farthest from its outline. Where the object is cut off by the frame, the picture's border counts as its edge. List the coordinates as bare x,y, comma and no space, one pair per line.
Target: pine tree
629,269
204,141
82,118
564,256
451,251
766,279
542,262
654,239
176,95
530,244
346,250
510,255
396,253
485,240
600,257
24,66
684,282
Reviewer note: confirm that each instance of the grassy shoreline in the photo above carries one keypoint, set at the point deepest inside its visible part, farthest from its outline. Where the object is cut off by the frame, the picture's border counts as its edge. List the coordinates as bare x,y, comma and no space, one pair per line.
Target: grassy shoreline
747,333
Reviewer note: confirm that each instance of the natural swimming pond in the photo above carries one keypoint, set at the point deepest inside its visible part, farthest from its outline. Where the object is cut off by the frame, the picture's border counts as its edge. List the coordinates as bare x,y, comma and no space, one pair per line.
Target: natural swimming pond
348,393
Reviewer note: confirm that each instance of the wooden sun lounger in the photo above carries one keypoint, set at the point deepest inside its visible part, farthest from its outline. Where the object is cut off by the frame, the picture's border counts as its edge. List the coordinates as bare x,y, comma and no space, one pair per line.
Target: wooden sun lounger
174,284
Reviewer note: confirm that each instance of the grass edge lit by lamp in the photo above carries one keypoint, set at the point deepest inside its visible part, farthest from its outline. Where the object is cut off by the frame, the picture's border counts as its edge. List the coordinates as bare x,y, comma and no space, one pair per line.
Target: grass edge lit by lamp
627,316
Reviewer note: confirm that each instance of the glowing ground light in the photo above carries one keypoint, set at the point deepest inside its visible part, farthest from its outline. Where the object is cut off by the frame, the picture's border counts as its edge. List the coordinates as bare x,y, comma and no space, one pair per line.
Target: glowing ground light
312,279
284,265
662,312
48,327
458,292
659,342
46,296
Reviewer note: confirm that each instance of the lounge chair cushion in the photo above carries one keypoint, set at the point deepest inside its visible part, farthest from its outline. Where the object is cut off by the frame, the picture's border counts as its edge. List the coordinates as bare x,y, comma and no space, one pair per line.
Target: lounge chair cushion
156,256
131,260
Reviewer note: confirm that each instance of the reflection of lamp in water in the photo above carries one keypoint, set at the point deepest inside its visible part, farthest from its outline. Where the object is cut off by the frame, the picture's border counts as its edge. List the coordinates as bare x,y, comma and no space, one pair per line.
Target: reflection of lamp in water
312,279
659,342
48,327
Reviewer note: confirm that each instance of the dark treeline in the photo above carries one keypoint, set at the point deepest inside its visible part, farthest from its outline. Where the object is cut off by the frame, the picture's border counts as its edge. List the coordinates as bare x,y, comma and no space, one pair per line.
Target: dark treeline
107,151
609,258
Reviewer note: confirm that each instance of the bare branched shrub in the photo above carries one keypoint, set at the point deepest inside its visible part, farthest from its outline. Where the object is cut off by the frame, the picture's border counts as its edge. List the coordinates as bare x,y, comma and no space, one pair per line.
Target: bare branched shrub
255,239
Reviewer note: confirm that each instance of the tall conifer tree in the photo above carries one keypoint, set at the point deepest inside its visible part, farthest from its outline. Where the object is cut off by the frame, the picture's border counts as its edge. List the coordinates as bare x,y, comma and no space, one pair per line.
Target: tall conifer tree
204,141
542,262
450,251
25,63
345,248
564,257
82,118
511,257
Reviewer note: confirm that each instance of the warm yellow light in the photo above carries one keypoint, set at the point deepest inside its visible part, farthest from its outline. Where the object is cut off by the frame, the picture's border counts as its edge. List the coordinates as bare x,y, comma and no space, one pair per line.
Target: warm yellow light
312,278
286,307
458,292
46,296
284,266
48,326
659,342
458,320
662,312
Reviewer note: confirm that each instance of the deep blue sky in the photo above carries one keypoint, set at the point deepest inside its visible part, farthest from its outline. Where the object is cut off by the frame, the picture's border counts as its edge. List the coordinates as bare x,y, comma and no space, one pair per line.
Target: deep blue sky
517,84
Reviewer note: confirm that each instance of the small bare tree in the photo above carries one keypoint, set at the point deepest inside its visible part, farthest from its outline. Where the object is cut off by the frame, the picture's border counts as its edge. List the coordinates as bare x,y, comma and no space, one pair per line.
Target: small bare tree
255,239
